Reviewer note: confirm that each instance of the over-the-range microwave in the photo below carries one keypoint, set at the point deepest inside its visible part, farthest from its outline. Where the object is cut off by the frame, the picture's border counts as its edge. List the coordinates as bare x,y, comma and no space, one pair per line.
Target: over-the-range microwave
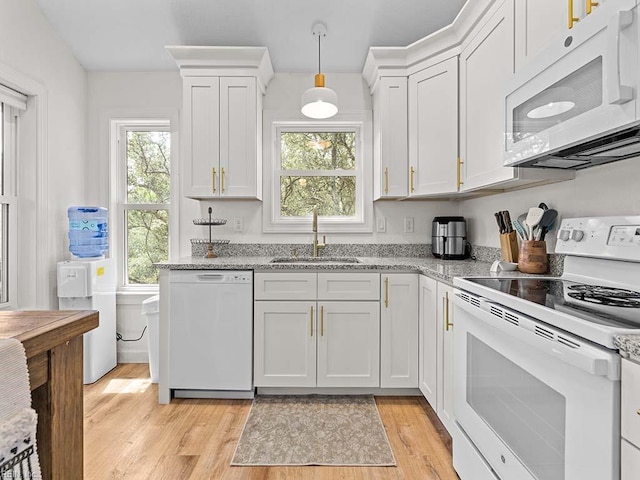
576,104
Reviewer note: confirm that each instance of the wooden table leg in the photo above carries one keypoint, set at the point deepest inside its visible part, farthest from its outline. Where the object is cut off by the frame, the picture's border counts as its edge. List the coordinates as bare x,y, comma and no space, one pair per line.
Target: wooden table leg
59,405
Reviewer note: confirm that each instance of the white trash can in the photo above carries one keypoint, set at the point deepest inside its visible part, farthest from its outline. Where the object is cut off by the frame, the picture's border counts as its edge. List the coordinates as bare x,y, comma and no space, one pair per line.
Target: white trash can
151,308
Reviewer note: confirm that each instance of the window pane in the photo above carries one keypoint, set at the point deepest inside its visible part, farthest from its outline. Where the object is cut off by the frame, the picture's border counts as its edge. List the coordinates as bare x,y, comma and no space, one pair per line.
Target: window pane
148,167
334,196
318,150
147,243
2,160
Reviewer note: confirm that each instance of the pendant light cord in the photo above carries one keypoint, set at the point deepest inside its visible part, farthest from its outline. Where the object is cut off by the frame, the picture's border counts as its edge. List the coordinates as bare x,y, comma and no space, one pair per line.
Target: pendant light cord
319,69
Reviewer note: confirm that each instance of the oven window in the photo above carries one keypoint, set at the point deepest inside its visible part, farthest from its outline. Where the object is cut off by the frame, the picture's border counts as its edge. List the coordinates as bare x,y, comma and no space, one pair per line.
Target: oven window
527,414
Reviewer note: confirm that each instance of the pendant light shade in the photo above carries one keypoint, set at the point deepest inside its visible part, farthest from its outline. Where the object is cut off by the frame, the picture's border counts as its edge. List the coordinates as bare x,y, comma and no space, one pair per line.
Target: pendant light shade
319,102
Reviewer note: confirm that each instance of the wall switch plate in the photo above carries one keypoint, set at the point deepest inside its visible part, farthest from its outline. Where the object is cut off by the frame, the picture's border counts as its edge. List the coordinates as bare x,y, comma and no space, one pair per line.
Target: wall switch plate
237,225
381,224
408,224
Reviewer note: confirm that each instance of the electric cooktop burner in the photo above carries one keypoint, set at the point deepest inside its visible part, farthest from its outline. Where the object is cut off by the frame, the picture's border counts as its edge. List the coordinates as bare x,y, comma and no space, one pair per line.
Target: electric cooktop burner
614,297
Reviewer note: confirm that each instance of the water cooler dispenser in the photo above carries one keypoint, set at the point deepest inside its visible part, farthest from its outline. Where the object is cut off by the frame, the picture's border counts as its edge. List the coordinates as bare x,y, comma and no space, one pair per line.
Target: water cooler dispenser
88,282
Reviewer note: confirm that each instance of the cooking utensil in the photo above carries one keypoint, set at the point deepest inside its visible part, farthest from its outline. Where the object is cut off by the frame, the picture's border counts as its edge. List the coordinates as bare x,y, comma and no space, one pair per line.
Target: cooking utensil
533,219
519,230
543,206
547,220
523,225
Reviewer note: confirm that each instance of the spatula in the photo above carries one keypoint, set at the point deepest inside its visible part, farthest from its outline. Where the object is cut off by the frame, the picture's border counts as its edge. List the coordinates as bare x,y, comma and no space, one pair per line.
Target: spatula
548,217
533,219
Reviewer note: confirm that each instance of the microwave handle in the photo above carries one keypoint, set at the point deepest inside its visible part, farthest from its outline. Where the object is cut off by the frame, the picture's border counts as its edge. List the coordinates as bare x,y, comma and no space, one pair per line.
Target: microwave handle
616,92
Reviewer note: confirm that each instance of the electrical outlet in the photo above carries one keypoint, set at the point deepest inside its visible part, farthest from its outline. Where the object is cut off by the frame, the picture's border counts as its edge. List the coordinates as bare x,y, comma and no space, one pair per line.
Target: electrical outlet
382,224
237,225
408,224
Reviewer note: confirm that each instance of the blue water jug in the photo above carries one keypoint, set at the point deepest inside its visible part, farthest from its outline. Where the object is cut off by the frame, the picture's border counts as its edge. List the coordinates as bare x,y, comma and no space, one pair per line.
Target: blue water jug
88,232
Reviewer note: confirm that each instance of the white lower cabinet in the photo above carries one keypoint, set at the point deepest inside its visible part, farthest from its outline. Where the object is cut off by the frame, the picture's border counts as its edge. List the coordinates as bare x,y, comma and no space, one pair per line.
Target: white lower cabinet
436,347
399,331
317,342
630,418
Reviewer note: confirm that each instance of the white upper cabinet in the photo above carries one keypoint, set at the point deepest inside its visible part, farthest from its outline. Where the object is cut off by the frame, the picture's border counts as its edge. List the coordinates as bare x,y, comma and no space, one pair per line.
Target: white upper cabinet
221,127
540,22
486,62
433,129
390,138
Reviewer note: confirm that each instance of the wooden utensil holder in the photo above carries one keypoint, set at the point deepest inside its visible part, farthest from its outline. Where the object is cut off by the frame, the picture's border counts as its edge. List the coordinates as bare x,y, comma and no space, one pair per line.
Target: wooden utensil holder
509,247
533,257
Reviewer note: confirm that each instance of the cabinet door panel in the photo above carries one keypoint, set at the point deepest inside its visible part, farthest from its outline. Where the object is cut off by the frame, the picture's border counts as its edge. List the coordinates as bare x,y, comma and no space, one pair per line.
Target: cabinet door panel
630,461
399,331
390,138
348,344
445,355
433,128
428,340
238,136
285,286
485,63
284,344
201,127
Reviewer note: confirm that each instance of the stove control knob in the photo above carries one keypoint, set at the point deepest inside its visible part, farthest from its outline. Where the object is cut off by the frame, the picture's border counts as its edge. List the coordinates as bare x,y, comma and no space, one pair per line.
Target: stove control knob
563,235
577,235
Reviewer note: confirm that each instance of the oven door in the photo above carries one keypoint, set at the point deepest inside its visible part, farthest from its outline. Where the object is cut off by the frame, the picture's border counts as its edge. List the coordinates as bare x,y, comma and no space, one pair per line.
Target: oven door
578,90
536,402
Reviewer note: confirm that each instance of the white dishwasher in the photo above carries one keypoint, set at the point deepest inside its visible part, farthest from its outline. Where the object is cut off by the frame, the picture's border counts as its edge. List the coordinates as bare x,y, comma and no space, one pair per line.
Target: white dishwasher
210,334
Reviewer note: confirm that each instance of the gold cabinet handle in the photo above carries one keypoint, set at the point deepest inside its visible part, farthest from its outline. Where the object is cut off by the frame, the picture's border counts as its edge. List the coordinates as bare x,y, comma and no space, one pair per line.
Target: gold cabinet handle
222,180
411,173
459,174
322,321
572,19
590,5
447,324
386,292
213,179
386,180
311,321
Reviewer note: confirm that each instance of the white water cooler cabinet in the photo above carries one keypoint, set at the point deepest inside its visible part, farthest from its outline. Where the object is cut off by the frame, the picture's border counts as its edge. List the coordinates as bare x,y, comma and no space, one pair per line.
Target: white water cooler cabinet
91,285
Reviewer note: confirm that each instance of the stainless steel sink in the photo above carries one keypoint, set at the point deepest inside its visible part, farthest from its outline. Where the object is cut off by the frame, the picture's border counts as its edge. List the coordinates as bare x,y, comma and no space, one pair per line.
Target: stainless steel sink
315,260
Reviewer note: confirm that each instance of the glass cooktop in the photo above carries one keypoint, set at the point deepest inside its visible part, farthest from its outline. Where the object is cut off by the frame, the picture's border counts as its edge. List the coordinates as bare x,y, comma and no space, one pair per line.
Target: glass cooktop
601,304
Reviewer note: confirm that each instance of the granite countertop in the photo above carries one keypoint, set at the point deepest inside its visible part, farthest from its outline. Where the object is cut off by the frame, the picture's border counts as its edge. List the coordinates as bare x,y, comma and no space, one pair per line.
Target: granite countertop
444,270
628,344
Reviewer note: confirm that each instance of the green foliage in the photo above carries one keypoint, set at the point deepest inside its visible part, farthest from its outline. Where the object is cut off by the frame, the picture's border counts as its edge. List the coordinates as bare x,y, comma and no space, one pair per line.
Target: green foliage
149,182
324,164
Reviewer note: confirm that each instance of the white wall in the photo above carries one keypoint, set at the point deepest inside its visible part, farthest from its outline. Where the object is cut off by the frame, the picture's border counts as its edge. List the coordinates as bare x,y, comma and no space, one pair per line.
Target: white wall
51,175
610,189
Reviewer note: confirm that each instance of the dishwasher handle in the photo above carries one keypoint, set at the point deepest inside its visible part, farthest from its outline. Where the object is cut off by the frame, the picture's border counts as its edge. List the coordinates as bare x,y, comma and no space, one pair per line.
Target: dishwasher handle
211,277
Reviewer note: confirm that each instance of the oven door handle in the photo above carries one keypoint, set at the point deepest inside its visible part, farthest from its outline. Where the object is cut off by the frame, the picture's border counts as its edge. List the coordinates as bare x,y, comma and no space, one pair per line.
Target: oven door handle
549,340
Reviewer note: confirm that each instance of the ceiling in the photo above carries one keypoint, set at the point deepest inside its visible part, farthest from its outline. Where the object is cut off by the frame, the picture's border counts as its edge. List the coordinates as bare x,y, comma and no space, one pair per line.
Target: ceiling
130,35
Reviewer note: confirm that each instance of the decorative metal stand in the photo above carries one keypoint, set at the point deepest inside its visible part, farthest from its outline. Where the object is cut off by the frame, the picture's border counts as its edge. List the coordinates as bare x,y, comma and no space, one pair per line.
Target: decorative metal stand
211,242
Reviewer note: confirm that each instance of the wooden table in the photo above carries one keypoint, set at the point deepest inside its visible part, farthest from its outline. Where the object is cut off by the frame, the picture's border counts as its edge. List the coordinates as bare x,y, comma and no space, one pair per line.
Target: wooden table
53,344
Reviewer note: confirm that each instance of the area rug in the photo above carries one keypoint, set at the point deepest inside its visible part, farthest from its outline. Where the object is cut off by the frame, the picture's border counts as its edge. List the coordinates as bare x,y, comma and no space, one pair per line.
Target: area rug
314,430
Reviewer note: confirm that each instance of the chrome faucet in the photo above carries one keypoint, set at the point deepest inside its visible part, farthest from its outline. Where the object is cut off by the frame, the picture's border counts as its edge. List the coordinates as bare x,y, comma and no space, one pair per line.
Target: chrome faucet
317,246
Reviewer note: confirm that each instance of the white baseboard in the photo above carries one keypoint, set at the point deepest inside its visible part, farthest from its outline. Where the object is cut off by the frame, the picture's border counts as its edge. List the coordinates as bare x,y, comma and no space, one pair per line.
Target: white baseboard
133,357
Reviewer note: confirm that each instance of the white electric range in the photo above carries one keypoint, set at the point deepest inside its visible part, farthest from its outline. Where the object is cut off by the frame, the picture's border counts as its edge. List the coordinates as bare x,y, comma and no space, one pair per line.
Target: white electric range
536,375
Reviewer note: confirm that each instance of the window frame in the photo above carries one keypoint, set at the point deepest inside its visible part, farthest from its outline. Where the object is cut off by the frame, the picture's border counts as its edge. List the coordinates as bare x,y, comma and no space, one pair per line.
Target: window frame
119,201
360,124
12,105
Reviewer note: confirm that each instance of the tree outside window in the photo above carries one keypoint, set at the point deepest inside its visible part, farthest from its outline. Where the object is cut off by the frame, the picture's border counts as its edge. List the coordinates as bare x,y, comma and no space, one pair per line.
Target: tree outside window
146,209
318,169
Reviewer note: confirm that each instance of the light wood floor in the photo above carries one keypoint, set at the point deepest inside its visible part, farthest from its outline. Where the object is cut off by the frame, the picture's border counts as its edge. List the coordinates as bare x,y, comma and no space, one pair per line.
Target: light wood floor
128,435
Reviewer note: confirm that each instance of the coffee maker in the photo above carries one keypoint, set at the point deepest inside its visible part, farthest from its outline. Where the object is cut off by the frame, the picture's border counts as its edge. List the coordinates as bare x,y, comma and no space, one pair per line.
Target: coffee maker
449,238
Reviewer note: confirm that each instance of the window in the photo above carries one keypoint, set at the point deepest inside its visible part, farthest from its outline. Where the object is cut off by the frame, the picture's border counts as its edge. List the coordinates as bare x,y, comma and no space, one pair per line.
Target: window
318,165
143,191
11,103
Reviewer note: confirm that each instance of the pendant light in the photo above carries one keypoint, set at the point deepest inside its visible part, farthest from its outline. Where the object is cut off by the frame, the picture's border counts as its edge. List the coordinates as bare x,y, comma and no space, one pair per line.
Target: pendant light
319,102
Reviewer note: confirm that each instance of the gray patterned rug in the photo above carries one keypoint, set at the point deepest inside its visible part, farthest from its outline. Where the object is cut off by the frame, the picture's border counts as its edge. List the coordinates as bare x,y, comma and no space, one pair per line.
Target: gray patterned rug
314,430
